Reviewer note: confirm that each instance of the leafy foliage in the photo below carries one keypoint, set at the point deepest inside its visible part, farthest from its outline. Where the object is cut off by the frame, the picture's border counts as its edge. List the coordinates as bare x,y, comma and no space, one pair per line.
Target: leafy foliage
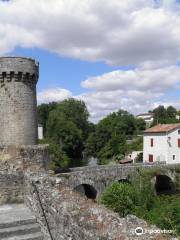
66,128
166,213
165,115
65,133
109,139
43,113
120,197
66,125
139,198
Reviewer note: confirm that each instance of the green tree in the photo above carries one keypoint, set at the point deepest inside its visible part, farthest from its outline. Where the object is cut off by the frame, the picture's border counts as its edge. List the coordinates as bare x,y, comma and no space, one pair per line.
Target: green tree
115,147
165,115
76,112
59,158
171,112
65,133
160,115
140,125
43,111
109,139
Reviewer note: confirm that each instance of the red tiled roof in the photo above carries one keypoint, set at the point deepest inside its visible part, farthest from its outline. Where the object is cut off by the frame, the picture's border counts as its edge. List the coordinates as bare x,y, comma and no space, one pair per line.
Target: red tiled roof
162,128
145,114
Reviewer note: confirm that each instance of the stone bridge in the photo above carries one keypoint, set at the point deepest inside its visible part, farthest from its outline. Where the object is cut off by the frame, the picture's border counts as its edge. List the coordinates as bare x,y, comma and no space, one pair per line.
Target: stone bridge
92,181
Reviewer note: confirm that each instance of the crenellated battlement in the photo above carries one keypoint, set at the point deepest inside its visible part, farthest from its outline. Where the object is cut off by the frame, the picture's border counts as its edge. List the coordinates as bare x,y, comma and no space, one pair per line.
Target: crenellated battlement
18,77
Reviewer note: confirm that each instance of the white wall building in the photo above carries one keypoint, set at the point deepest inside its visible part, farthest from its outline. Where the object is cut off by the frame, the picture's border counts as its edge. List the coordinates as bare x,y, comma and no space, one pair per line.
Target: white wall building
147,117
40,132
162,143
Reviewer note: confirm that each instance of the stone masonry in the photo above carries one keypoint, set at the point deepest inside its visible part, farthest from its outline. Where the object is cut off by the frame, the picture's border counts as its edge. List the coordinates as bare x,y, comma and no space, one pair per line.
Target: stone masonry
18,121
72,217
100,177
19,151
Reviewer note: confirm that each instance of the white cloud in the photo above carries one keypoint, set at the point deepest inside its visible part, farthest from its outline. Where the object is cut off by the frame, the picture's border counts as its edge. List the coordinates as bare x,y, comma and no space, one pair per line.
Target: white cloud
144,33
156,80
53,94
136,90
117,32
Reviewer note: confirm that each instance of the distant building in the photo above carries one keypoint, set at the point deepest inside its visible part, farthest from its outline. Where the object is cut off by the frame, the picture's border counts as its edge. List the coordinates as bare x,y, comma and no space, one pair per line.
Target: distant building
40,132
133,155
162,143
178,117
147,117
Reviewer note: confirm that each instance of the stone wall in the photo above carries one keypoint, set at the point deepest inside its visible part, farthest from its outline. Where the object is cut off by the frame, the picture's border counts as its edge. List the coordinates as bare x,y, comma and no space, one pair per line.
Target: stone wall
14,162
11,187
29,157
72,217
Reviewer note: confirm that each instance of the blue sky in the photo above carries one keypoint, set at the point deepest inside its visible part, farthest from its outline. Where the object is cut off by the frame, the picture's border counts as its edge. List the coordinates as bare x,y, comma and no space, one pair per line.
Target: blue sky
56,71
111,54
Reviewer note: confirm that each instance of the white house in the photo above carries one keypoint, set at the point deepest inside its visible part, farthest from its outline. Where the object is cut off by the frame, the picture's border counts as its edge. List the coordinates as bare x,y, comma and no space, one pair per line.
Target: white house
162,143
148,118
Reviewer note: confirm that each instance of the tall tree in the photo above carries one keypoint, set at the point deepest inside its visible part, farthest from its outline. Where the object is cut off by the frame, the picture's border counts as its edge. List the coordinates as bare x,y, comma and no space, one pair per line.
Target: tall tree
43,111
76,112
160,115
171,112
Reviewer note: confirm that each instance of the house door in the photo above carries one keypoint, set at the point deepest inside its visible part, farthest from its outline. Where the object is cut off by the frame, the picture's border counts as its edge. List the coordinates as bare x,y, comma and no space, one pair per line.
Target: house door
150,158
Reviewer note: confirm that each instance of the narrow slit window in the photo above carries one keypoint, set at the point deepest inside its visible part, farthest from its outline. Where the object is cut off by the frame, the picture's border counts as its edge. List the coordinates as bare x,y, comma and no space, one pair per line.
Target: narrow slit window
152,142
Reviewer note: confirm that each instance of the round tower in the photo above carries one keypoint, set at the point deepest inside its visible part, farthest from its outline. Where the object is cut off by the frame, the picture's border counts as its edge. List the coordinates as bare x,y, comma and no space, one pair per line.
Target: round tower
18,115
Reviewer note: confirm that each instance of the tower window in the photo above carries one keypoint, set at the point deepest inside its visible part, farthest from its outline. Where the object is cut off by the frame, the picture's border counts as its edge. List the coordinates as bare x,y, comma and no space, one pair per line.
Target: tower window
174,157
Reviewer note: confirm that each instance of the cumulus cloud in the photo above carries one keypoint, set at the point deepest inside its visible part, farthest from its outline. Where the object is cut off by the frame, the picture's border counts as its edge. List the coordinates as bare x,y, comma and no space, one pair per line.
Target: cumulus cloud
117,32
53,94
142,33
156,80
134,90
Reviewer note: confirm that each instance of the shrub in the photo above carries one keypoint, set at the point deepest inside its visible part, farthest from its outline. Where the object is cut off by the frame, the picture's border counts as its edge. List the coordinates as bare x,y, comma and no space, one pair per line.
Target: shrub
166,213
120,197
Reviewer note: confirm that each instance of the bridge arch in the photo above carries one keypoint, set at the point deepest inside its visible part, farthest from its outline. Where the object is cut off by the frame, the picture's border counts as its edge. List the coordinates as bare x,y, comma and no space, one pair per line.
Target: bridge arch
86,190
164,184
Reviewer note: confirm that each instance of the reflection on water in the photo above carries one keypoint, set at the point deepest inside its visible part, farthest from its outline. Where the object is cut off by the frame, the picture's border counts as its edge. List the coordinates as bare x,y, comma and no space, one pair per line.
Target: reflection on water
81,162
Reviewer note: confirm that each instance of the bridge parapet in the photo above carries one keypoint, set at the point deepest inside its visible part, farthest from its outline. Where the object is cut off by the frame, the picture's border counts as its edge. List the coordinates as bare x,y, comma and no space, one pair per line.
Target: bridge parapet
87,168
102,176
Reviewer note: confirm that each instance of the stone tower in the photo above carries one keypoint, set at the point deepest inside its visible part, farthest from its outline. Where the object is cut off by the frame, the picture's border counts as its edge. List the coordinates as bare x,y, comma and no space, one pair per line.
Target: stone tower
18,117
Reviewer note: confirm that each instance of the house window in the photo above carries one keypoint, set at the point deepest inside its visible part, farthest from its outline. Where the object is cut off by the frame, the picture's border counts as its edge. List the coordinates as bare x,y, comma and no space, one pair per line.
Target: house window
174,157
179,142
150,158
179,131
152,142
